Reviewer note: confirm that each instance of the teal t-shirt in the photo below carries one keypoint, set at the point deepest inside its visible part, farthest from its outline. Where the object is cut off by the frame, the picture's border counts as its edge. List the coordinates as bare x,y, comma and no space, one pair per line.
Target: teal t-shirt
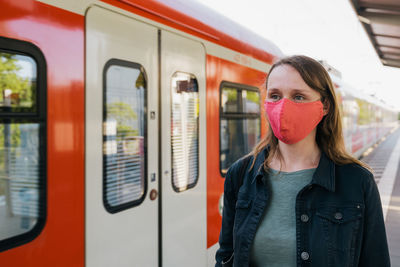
274,244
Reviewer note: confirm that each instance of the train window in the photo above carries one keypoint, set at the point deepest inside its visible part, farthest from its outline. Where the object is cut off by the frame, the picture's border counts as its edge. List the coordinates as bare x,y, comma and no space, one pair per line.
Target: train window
240,123
184,131
22,142
124,135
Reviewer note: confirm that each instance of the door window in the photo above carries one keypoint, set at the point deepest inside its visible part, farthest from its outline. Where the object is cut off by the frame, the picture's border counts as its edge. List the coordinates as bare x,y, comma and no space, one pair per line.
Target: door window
124,135
185,131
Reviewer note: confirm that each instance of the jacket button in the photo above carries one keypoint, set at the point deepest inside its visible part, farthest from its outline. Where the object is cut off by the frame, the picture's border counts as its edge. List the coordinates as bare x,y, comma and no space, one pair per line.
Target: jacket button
338,216
304,218
305,256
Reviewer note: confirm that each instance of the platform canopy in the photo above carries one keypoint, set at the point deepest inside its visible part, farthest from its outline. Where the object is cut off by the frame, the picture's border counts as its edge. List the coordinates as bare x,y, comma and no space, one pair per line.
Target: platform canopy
381,20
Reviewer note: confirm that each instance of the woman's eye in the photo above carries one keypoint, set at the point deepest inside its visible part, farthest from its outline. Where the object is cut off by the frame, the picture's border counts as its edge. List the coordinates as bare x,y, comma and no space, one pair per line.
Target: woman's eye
274,97
298,98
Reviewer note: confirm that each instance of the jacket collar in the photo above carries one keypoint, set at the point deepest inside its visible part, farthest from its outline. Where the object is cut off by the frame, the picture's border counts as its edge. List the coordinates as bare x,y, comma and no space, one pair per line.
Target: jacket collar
324,175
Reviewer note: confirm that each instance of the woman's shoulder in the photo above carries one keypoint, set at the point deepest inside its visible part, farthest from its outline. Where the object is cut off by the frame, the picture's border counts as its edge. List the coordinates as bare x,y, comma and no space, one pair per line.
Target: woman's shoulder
354,171
355,168
241,163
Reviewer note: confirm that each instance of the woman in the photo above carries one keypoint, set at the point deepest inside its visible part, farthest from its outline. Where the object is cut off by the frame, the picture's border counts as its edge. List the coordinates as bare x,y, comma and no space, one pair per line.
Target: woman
303,200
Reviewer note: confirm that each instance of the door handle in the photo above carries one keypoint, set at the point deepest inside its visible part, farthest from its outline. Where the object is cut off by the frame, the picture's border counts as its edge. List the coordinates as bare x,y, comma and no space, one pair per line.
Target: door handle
153,194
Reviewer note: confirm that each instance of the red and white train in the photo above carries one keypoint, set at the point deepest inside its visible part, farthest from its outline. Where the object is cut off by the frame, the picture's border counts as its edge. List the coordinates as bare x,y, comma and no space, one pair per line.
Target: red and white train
118,120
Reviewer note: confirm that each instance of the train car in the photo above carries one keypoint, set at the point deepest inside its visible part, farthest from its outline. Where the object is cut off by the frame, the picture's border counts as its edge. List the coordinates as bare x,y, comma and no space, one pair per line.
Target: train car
365,119
118,122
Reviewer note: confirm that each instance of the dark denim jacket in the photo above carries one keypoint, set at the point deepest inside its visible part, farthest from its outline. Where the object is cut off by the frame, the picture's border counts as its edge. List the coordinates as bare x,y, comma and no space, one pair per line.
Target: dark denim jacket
339,220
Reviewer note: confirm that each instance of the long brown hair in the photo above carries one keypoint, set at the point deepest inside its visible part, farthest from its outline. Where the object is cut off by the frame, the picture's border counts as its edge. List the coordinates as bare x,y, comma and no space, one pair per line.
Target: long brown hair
329,136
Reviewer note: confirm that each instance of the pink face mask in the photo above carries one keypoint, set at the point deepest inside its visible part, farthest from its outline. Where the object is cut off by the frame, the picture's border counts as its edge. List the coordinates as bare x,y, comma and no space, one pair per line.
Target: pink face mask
291,121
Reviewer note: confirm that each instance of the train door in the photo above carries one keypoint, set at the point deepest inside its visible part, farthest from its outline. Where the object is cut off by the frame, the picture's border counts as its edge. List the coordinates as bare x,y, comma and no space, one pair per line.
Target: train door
121,133
183,147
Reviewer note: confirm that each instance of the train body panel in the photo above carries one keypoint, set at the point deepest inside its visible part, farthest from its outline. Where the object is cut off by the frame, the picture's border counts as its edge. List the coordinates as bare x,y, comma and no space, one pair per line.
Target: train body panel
59,36
219,71
148,103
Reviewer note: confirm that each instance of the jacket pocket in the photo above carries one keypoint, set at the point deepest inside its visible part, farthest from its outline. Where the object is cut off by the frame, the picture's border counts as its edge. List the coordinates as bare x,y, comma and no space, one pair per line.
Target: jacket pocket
242,210
341,225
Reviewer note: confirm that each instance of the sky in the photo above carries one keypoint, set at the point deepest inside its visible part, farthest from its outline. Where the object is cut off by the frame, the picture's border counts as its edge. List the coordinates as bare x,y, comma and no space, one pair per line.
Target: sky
322,29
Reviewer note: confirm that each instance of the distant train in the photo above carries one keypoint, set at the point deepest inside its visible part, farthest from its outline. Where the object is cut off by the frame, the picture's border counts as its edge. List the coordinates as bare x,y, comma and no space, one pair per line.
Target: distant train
365,119
118,121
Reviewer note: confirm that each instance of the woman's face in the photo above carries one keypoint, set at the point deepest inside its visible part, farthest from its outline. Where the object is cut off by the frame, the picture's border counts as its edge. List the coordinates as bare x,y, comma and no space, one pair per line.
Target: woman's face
285,82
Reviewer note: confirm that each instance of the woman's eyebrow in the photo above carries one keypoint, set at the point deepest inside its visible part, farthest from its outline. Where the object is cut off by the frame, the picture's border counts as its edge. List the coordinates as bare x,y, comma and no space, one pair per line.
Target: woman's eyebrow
300,91
293,90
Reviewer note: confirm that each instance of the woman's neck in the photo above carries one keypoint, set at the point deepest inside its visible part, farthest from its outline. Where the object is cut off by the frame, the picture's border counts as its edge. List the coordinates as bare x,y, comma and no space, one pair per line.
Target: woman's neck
304,154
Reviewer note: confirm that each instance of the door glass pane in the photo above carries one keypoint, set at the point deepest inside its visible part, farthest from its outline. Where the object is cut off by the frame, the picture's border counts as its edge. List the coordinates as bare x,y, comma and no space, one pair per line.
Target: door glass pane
124,148
184,131
20,168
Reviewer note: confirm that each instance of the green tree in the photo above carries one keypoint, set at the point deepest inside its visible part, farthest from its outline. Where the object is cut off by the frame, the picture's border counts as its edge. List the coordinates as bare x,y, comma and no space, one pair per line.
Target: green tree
123,114
253,97
10,79
232,94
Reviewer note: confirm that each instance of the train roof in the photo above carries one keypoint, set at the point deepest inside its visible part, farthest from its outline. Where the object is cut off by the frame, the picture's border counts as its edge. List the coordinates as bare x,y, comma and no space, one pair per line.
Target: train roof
381,21
223,26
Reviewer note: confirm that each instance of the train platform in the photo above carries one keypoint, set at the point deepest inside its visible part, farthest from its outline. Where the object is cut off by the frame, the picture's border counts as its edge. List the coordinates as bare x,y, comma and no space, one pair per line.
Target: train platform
384,158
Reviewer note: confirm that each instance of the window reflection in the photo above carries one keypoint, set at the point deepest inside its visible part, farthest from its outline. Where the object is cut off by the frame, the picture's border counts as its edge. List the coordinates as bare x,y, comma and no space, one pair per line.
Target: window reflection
184,131
240,101
239,125
17,83
20,165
